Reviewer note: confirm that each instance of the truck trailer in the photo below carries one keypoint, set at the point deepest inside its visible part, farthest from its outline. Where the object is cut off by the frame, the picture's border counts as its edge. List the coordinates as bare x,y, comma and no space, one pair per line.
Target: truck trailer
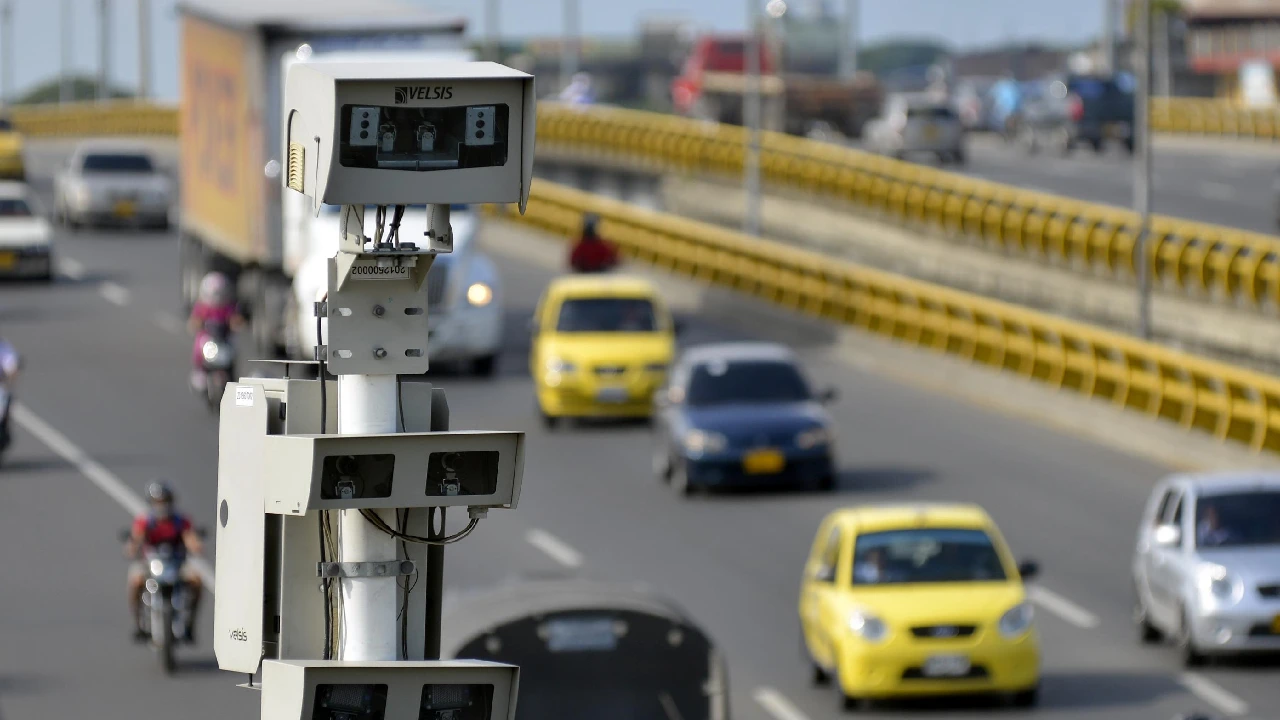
235,216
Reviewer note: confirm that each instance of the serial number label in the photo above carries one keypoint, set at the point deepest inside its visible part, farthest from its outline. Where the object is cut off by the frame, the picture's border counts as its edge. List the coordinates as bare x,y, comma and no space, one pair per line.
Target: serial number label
244,395
377,272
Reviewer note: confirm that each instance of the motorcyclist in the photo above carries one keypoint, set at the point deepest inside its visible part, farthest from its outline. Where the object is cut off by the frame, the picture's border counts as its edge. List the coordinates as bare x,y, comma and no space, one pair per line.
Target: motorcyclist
592,253
161,525
215,306
10,364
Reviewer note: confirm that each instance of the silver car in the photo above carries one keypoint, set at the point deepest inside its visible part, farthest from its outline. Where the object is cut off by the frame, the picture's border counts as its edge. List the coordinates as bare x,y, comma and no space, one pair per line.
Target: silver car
917,124
111,183
1207,566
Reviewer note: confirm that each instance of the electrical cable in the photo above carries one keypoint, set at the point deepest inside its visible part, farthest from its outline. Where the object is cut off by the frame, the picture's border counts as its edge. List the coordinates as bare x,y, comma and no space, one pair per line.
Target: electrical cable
395,225
400,403
379,523
324,584
401,524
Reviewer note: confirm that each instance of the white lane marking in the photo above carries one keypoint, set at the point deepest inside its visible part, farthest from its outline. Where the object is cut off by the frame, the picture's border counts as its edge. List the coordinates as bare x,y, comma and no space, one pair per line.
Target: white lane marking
114,293
1212,693
106,481
777,705
71,268
1062,607
1217,190
167,322
554,547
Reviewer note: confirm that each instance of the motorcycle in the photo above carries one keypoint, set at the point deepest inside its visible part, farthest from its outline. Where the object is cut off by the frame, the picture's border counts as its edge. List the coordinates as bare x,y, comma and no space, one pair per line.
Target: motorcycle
6,401
162,614
217,360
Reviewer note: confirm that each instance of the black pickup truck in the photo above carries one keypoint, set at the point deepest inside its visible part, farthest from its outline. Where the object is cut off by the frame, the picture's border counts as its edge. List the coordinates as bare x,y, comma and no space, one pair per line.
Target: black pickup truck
1079,109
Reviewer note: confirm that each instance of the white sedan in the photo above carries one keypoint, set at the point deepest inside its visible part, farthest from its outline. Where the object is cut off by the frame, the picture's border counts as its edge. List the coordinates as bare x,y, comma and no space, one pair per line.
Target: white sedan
464,306
111,183
26,247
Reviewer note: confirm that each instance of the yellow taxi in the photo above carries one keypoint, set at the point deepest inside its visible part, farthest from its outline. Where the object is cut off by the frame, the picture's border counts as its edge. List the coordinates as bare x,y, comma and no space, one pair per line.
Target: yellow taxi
914,600
12,165
601,347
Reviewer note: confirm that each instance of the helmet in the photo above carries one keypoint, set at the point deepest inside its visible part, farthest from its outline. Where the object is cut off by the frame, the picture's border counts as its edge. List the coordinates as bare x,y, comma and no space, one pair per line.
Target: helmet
215,289
589,223
159,491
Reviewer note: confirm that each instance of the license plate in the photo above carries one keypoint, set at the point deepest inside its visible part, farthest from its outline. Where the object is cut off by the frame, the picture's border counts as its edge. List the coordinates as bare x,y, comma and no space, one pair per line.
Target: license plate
8,261
1275,625
125,209
763,462
946,666
612,395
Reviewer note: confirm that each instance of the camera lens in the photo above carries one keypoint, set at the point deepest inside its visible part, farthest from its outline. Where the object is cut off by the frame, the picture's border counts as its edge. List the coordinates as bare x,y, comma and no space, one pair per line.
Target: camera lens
479,133
364,134
364,123
479,123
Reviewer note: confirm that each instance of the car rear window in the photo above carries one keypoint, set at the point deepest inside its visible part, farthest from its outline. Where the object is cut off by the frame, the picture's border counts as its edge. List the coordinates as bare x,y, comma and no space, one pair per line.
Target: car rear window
14,207
720,383
607,315
117,162
925,555
930,113
1238,519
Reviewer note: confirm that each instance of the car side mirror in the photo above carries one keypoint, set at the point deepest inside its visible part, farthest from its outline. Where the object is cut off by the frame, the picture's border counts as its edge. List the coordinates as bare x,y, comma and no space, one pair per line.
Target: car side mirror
1168,536
1028,569
825,574
828,396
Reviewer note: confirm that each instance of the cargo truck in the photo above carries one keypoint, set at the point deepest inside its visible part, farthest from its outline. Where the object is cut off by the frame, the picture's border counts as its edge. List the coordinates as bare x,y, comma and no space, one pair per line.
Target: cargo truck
235,215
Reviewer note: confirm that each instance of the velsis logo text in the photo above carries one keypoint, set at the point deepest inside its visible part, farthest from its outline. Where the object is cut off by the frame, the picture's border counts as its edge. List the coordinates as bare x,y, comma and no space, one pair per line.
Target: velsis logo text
407,93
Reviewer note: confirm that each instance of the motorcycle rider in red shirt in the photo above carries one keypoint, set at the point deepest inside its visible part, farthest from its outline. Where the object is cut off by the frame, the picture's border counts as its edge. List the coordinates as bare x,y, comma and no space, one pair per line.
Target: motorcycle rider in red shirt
592,253
159,526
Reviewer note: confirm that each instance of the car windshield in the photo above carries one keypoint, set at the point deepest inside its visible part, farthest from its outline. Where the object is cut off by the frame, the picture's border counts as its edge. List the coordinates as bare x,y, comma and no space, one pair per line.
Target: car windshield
925,555
14,207
1238,519
117,163
930,112
593,315
754,381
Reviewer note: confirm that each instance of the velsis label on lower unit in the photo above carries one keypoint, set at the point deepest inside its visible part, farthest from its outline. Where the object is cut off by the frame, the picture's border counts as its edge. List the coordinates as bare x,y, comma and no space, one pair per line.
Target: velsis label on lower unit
378,272
244,394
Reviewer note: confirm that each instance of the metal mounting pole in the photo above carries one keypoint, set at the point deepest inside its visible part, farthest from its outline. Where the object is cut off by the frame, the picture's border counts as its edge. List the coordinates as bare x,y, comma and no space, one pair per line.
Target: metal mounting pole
144,49
65,91
751,113
1142,166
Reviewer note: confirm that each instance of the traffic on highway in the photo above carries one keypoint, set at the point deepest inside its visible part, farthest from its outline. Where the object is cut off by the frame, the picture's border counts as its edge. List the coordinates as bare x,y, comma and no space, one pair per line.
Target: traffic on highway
728,509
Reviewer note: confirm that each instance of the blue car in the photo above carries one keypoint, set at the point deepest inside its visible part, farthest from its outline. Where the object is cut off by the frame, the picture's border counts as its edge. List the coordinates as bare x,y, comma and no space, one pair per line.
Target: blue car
742,415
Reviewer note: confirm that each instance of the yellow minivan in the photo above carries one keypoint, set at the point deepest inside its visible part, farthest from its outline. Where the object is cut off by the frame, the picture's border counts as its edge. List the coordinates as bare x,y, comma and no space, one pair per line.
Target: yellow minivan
12,164
918,599
601,347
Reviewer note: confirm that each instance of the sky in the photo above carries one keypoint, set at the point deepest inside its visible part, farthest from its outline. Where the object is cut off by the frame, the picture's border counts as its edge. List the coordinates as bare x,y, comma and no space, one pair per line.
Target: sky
964,23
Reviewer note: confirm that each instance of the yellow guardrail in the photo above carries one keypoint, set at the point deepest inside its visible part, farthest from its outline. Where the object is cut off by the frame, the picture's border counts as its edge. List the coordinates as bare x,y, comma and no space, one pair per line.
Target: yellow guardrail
1230,403
89,119
1201,260
1209,116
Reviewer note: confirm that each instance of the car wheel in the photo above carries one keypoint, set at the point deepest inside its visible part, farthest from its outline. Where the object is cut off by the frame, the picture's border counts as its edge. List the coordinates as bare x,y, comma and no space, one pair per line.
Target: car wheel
549,422
1191,655
1098,146
959,158
827,482
1147,633
484,366
820,676
1026,698
944,158
845,701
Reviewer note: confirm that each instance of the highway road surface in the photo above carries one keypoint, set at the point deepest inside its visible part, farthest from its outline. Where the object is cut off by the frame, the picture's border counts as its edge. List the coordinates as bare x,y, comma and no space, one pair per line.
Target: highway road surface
105,409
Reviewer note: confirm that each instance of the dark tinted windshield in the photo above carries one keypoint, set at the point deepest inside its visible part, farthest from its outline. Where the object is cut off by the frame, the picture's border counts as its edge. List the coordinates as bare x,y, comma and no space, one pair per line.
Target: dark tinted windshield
930,113
14,207
1238,519
607,315
925,555
118,163
719,383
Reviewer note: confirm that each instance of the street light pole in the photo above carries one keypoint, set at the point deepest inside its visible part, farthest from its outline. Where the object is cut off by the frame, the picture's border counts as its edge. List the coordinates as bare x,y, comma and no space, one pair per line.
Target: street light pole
849,39
104,49
6,74
491,32
64,76
569,45
144,49
751,117
1109,8
1142,164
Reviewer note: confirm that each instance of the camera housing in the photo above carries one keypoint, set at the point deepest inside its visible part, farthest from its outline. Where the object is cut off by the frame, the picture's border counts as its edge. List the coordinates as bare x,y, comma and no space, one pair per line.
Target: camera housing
423,690
373,133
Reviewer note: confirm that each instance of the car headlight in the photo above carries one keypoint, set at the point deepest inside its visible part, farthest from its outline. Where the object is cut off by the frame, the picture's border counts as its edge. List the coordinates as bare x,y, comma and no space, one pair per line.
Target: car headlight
1221,584
157,567
479,294
868,626
813,437
209,350
1017,620
697,442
